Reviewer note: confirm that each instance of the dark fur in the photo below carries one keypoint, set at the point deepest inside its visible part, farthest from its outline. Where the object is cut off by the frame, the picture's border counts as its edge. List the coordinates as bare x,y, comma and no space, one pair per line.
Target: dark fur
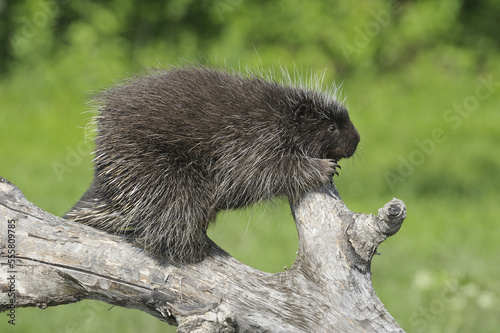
176,146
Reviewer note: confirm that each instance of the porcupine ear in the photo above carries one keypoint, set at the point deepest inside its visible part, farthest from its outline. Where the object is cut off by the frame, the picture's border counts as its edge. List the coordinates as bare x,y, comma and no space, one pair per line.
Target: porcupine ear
303,112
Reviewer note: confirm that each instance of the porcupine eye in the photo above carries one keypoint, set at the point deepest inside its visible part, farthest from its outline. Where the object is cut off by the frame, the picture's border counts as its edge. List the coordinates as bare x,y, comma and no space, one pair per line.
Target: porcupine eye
331,128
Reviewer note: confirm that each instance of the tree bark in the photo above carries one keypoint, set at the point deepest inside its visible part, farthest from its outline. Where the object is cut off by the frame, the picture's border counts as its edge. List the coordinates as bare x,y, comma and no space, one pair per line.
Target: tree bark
46,261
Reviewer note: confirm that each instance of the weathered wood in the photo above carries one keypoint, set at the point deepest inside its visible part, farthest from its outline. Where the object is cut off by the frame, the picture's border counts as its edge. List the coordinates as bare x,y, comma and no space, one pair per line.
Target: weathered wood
328,288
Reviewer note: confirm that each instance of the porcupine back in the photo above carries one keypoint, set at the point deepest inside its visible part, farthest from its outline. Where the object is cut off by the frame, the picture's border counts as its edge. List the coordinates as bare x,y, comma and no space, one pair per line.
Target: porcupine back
176,146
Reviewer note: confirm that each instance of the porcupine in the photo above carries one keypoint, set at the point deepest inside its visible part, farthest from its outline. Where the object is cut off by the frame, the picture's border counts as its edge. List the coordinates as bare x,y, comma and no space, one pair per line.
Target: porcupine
175,146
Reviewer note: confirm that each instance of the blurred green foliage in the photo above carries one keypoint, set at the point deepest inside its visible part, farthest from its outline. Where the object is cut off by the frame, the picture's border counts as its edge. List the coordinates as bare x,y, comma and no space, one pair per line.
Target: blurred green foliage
422,80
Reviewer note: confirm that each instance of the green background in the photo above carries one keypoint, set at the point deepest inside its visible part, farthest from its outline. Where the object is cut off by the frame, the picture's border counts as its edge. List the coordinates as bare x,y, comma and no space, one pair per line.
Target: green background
422,81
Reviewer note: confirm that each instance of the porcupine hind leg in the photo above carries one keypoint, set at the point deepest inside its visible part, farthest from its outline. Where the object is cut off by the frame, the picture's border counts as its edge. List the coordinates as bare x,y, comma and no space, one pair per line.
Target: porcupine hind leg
169,223
178,231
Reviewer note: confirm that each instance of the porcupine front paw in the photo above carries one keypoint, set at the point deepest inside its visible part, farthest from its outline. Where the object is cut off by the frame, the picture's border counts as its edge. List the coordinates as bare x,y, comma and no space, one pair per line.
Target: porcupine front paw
328,168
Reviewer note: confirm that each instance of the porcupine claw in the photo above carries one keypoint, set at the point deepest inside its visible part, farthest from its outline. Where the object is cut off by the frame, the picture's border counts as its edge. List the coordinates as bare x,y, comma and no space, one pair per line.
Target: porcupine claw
335,166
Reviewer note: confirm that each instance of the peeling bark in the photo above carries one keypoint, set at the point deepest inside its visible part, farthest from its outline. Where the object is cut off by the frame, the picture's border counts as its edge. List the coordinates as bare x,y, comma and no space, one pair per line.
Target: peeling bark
327,289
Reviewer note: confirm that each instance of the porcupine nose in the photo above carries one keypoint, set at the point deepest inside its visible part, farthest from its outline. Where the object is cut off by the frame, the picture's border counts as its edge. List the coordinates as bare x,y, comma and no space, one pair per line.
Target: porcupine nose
355,138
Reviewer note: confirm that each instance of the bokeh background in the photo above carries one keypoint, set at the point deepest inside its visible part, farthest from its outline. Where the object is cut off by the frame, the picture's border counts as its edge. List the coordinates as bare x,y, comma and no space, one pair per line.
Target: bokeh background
422,81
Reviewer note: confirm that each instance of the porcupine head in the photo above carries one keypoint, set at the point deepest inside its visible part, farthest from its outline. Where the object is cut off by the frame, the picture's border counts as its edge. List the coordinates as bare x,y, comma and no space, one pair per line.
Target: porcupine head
175,146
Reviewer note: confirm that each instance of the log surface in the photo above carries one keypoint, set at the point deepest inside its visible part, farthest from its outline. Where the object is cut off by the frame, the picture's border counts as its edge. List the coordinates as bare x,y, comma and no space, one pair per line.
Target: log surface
327,289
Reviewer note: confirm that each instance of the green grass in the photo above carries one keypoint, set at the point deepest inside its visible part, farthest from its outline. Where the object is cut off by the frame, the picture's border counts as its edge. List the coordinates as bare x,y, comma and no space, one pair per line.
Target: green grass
439,273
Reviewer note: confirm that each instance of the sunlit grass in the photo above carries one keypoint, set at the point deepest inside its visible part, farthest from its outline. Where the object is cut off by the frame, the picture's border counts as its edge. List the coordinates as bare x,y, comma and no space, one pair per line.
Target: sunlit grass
449,239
